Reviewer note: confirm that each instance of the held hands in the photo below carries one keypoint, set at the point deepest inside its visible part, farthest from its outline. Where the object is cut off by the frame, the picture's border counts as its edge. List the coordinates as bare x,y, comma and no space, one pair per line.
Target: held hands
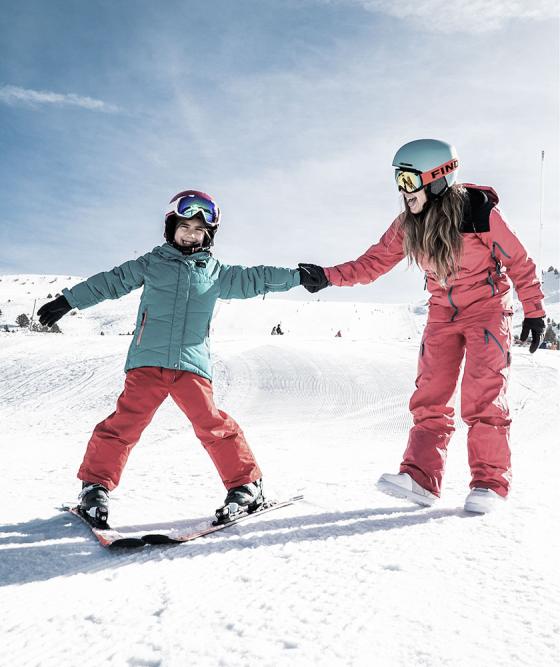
536,326
312,277
52,311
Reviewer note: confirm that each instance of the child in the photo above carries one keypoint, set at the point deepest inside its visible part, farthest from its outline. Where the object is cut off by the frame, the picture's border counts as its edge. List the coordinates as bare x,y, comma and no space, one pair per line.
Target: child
457,234
169,352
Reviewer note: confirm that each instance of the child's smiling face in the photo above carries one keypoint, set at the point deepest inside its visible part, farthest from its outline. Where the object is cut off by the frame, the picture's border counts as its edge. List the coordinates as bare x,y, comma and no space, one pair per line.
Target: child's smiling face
190,232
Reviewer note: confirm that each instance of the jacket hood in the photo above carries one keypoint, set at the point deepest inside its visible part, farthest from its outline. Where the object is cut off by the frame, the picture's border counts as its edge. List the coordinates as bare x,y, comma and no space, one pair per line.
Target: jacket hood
486,190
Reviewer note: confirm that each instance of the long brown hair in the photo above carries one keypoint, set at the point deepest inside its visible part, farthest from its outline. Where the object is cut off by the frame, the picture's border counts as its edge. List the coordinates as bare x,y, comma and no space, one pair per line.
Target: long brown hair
434,235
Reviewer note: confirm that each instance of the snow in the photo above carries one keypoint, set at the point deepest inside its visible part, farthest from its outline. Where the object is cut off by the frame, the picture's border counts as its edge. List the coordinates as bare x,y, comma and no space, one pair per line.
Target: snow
348,576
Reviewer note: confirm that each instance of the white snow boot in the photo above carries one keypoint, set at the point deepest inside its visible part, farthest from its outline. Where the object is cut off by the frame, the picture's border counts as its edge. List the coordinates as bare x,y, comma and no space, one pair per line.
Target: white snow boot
481,500
402,485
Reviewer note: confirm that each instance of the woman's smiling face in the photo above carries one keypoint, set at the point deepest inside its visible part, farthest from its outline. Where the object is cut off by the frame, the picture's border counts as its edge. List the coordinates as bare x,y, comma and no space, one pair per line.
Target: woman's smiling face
415,200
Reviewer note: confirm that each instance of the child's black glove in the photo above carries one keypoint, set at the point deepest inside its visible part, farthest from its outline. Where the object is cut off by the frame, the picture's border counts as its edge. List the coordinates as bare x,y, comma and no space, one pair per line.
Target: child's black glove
52,311
536,326
312,277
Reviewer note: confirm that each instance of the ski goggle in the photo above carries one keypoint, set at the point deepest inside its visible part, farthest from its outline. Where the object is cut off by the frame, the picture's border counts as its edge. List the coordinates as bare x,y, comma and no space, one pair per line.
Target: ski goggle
413,181
409,181
190,205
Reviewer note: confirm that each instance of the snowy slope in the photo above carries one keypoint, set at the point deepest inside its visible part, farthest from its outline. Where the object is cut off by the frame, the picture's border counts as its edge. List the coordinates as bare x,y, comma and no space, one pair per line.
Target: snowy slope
232,319
349,577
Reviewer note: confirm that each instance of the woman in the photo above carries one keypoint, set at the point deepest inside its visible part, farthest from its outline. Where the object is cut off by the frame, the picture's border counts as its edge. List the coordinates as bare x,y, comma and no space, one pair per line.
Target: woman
458,236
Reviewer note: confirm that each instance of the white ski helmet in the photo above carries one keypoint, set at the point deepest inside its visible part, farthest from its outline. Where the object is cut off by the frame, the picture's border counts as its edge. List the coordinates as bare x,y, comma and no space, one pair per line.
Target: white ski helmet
428,163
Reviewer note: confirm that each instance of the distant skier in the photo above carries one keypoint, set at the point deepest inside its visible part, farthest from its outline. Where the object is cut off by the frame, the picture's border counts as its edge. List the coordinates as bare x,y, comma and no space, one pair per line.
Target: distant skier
169,353
274,332
279,331
338,334
458,236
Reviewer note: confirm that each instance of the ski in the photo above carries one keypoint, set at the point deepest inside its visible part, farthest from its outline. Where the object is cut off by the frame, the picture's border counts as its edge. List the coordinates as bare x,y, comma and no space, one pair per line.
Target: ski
212,527
107,536
111,538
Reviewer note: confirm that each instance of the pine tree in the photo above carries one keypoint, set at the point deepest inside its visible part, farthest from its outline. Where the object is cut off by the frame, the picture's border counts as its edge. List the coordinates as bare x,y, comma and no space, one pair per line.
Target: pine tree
550,335
22,320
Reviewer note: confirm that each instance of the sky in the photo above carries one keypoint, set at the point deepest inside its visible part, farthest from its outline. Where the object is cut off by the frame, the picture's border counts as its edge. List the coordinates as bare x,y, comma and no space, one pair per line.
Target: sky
288,111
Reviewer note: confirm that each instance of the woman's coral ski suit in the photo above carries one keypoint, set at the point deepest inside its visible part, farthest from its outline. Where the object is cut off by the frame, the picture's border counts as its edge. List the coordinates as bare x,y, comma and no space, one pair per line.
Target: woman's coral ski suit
469,317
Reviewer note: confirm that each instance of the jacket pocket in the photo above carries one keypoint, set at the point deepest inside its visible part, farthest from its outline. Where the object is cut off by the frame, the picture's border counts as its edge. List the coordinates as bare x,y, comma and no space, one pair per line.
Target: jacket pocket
142,327
500,358
420,363
275,287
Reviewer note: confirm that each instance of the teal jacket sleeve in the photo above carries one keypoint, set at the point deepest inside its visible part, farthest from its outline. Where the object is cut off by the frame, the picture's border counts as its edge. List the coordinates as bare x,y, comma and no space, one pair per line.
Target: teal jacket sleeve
241,282
107,285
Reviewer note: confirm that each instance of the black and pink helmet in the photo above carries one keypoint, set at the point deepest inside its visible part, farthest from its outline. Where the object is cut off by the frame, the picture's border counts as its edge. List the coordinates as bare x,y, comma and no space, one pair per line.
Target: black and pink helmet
188,204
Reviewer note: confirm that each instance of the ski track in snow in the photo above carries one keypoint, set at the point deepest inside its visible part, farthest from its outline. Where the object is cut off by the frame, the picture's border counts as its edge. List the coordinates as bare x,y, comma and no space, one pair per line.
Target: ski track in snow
347,577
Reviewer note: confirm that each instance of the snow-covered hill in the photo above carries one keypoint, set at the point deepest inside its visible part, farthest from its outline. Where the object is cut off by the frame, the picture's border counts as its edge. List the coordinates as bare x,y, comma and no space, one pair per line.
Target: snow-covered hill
348,577
313,319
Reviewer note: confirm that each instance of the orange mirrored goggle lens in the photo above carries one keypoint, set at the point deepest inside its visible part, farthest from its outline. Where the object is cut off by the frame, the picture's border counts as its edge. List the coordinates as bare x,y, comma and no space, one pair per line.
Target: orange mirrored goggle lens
408,181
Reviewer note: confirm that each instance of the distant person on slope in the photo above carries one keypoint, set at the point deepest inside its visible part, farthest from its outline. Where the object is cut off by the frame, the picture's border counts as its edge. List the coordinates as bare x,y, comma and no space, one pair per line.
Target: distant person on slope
458,236
169,353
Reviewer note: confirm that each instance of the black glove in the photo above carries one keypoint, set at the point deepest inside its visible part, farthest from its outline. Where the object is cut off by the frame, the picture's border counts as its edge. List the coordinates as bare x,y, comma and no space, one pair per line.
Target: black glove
312,277
52,311
537,328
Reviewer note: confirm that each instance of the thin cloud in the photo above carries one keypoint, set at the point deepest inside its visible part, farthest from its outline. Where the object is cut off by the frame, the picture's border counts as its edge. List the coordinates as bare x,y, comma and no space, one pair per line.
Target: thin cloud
13,95
461,15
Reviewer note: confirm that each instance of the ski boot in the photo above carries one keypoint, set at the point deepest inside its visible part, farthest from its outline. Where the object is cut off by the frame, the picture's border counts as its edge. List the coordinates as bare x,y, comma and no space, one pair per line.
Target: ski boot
240,500
93,504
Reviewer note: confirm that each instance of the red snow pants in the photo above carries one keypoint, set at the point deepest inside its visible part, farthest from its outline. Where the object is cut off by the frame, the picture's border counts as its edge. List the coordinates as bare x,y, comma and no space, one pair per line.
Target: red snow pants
484,340
144,391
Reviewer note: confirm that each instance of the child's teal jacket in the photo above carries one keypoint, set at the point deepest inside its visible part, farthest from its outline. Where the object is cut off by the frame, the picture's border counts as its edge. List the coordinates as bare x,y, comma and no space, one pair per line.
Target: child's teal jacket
180,292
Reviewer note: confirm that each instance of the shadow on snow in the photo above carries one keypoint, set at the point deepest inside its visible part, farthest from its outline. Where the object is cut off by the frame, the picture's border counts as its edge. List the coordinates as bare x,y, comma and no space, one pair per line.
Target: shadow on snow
61,546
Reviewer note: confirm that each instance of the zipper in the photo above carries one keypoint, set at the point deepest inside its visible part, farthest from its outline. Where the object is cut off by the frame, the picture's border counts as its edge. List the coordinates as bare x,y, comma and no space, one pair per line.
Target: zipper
496,244
489,335
188,267
490,281
456,310
142,325
496,260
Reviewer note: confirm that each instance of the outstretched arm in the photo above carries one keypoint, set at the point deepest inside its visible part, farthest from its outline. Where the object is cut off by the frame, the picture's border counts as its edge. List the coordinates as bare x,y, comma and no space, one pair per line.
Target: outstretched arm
107,285
241,282
376,261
